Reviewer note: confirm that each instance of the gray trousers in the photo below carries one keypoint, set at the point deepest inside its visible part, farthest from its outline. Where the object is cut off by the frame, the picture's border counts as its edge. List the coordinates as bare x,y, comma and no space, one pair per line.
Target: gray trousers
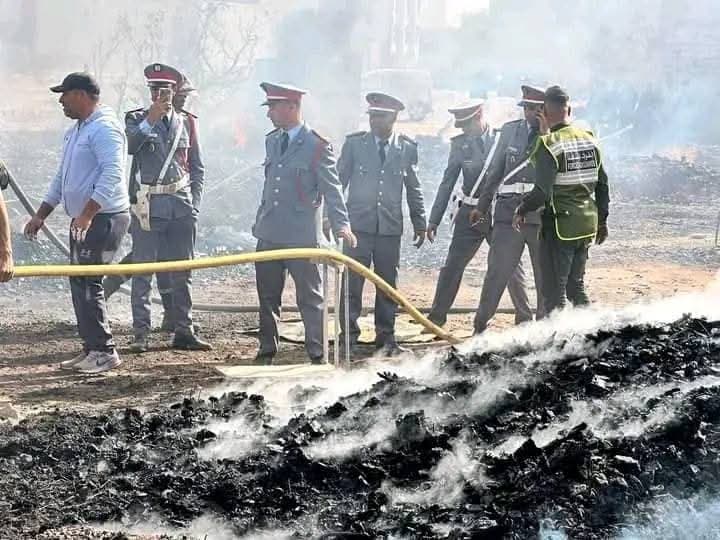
383,254
506,249
270,280
103,239
563,269
112,284
168,240
464,246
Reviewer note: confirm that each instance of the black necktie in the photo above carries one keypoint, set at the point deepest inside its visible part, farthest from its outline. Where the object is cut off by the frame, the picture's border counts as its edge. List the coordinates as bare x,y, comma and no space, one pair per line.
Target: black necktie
166,121
284,142
531,135
383,144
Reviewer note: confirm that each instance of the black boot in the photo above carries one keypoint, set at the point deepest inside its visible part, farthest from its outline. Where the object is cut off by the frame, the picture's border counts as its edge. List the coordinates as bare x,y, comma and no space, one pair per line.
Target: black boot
190,342
391,349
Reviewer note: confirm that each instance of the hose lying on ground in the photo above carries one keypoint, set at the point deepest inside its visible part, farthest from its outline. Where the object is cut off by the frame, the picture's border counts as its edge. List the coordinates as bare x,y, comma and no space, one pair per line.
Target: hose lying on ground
327,255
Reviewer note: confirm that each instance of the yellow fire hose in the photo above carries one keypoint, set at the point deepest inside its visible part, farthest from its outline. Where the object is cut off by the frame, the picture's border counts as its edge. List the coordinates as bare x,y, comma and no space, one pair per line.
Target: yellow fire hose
326,255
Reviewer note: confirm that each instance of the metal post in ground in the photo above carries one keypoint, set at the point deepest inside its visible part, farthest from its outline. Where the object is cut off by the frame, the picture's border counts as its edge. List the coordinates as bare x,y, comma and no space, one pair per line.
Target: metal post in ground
336,315
346,283
326,347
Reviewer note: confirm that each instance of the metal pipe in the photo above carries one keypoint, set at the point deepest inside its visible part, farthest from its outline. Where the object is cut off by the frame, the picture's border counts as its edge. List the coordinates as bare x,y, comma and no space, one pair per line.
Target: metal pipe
30,209
326,348
336,310
346,282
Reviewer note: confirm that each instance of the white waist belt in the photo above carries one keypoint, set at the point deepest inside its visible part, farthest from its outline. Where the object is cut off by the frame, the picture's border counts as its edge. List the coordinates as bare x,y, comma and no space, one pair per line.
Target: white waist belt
142,208
519,187
168,189
470,201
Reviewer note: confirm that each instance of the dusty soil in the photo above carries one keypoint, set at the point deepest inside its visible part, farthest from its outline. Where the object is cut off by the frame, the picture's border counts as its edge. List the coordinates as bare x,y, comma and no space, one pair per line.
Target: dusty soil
33,342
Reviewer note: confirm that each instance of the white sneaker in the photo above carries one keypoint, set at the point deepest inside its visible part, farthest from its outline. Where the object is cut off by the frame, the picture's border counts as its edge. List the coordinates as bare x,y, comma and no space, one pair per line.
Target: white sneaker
99,361
75,360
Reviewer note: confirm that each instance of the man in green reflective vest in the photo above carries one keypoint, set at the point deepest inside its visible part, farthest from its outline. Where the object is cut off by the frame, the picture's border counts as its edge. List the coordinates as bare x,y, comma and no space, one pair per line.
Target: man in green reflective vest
572,185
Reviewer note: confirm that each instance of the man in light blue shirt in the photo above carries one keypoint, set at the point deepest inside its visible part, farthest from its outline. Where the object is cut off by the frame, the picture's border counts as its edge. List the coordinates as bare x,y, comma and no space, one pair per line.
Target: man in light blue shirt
90,184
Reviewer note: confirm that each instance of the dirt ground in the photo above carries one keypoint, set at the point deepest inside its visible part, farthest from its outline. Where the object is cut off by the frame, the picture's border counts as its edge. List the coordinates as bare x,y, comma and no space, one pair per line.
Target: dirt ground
33,342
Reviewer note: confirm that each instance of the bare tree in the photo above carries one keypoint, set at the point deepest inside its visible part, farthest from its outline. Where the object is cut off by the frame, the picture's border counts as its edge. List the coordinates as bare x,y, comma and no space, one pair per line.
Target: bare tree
214,43
220,51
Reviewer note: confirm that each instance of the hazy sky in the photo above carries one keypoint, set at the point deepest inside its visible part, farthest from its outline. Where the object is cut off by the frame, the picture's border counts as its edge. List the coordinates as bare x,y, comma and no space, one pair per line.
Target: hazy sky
458,7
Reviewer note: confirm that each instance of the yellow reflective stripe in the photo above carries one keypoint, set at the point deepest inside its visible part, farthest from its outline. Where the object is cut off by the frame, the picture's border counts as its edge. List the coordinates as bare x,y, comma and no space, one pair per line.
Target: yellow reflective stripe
571,145
574,178
557,229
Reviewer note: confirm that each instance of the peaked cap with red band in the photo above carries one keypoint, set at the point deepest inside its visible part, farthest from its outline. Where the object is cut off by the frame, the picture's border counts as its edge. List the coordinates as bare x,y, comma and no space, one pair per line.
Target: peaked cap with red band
162,74
532,95
379,102
465,111
281,92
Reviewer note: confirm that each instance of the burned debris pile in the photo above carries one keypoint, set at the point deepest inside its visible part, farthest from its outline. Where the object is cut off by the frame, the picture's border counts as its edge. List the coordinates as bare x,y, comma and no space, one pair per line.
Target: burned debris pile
662,179
501,444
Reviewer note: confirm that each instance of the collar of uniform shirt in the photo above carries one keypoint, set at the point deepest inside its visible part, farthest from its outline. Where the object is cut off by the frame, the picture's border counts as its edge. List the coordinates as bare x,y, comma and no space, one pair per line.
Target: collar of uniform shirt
390,140
293,131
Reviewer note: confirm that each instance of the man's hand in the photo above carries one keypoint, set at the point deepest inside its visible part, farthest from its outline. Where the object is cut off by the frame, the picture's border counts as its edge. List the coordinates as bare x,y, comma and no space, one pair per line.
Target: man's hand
7,266
419,238
517,221
602,234
477,217
79,227
32,227
158,109
431,232
543,126
346,234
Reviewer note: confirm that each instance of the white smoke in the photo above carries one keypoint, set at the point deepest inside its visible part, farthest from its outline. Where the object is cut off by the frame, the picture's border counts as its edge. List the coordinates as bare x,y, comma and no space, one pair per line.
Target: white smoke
235,439
447,479
205,526
556,337
678,520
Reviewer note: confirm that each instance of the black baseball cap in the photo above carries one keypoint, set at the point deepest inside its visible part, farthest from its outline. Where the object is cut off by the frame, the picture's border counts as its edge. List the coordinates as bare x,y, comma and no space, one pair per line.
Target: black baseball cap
78,81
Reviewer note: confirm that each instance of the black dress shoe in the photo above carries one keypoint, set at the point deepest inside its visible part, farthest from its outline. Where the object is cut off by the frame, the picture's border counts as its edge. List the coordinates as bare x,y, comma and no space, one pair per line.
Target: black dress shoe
317,360
190,342
168,325
264,359
358,351
392,349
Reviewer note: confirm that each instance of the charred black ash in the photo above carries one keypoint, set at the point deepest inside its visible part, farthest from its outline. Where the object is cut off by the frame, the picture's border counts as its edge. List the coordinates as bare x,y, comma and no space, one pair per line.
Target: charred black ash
67,469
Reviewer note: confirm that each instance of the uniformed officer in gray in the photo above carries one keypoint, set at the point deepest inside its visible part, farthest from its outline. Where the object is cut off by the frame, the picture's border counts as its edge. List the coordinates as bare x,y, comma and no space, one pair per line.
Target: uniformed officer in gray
468,151
374,168
506,182
112,284
166,202
300,174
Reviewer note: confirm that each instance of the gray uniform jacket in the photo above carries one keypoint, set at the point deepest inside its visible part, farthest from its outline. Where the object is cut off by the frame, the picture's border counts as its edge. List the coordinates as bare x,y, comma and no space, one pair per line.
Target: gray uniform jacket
374,190
513,148
467,155
296,183
149,150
